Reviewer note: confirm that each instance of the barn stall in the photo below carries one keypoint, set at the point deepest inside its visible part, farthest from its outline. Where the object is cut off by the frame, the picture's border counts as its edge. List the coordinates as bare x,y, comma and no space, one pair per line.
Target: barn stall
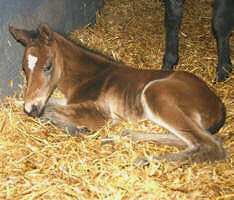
63,16
39,161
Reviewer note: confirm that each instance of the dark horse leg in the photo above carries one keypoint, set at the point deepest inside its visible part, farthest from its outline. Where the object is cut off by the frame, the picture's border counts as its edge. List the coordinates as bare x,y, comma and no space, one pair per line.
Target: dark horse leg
173,17
223,22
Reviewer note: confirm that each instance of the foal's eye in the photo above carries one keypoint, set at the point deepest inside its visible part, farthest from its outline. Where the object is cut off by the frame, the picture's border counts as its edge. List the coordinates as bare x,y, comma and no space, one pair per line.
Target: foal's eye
48,68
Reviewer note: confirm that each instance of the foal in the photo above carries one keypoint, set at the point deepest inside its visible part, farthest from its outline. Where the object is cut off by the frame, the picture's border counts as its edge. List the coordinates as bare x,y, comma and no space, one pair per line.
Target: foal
98,89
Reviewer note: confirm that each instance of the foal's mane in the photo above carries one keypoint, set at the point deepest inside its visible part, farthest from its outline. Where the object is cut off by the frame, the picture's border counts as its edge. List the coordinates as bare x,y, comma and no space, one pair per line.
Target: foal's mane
66,36
86,49
92,51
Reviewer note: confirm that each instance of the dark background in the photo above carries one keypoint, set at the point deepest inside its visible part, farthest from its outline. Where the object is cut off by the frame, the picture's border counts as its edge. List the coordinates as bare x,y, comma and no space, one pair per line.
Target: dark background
62,15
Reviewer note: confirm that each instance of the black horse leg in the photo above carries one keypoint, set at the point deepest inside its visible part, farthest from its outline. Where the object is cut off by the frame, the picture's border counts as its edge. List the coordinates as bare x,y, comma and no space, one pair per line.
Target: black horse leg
223,22
173,17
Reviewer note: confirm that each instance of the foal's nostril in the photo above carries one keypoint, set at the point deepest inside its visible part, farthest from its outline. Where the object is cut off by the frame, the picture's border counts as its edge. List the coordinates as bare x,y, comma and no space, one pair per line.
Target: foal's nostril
34,112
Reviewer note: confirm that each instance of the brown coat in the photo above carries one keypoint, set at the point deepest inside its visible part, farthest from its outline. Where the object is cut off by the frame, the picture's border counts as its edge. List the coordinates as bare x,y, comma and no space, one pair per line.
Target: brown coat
98,89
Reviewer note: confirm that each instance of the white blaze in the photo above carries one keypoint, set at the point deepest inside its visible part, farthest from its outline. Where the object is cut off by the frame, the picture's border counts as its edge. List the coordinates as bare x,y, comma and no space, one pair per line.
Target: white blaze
32,60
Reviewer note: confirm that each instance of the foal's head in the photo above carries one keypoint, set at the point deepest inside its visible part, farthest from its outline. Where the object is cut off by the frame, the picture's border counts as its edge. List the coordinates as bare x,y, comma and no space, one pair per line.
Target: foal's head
41,66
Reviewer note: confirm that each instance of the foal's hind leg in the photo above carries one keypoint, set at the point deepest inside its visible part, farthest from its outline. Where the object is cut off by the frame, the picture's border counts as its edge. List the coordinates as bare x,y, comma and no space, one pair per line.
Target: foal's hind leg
168,139
201,145
80,118
137,136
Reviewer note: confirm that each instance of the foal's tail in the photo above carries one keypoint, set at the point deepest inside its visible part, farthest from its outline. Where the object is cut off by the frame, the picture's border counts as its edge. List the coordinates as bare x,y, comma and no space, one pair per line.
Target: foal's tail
216,126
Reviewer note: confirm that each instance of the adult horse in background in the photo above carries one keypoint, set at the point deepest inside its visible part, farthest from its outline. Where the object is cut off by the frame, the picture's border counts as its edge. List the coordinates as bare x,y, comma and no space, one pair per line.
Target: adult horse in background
222,24
97,90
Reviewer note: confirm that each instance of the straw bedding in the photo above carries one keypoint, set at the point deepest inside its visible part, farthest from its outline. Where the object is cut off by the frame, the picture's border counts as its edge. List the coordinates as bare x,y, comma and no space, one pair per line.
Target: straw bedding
39,161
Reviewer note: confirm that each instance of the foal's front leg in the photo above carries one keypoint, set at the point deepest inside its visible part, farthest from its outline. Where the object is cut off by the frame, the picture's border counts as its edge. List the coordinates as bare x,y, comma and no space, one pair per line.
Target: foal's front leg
75,118
57,101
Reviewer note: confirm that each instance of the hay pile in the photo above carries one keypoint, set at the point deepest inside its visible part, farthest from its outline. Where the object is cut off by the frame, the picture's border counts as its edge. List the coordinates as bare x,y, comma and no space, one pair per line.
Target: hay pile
39,161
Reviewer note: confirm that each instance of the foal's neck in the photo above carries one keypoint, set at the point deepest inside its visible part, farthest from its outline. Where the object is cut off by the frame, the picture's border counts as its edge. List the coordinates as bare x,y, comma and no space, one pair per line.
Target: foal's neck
79,64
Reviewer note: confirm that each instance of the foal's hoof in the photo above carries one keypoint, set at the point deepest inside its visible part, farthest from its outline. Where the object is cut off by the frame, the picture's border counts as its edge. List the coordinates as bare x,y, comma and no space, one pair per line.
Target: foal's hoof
141,162
132,135
83,130
44,120
74,131
125,133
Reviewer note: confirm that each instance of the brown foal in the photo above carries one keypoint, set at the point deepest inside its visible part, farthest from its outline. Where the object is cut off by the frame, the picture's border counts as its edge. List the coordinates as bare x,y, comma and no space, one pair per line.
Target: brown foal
98,89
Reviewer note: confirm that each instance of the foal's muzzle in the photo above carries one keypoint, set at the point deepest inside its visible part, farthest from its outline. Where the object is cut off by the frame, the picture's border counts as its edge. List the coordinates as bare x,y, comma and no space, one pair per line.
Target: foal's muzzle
34,111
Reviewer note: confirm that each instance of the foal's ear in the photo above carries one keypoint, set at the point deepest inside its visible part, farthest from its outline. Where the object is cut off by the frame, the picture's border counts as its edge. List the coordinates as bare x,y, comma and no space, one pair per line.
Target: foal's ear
25,37
45,33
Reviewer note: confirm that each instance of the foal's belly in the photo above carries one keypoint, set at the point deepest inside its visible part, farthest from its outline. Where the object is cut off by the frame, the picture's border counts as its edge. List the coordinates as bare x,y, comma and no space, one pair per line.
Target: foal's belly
124,105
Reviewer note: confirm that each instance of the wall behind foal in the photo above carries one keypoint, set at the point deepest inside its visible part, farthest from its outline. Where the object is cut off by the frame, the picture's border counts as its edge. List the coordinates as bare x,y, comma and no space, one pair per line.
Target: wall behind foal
63,15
